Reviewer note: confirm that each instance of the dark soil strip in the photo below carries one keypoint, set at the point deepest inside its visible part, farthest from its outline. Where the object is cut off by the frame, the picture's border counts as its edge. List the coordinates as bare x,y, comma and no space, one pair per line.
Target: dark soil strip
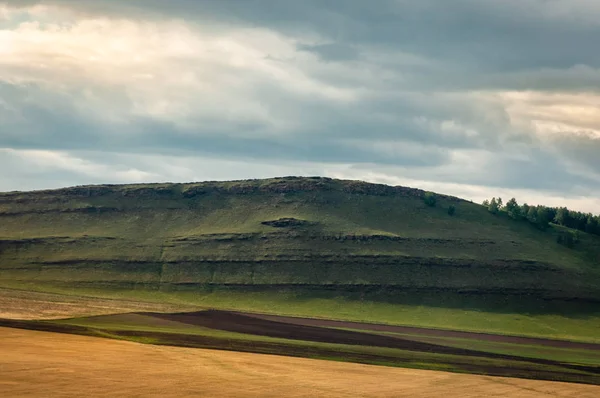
45,326
239,323
429,332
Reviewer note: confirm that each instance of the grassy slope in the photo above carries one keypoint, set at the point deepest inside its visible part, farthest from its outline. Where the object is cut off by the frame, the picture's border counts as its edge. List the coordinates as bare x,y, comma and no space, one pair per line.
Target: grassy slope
205,244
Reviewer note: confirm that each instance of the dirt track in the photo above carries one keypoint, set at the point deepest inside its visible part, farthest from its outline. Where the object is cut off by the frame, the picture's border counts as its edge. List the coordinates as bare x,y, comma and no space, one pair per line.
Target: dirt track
41,364
321,331
240,323
429,332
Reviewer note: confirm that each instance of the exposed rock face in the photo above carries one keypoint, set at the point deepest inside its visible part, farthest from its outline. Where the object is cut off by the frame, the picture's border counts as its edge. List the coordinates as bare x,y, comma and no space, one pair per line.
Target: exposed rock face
288,222
274,185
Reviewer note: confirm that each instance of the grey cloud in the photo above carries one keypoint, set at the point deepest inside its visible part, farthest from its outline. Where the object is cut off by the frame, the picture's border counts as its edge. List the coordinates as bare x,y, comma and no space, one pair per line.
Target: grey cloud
62,129
539,170
103,167
62,126
581,148
26,175
331,51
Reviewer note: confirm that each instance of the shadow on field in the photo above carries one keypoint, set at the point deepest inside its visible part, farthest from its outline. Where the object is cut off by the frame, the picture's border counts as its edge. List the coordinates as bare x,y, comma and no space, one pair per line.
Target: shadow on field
502,301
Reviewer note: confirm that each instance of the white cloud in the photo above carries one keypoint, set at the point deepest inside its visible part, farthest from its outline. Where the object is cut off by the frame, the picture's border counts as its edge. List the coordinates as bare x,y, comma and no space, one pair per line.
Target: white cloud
62,161
168,70
554,113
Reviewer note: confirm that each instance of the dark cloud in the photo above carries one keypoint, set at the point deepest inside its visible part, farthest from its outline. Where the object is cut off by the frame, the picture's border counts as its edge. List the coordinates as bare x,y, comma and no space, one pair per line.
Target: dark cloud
580,148
331,51
541,171
63,128
59,125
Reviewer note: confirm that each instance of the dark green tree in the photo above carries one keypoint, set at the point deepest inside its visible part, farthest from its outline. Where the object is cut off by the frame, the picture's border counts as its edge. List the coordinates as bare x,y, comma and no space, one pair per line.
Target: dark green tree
451,210
430,199
595,225
542,217
513,209
591,225
494,206
532,214
525,210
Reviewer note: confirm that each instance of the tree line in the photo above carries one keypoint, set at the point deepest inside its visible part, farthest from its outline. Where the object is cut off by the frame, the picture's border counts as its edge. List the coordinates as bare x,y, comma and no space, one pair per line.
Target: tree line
542,216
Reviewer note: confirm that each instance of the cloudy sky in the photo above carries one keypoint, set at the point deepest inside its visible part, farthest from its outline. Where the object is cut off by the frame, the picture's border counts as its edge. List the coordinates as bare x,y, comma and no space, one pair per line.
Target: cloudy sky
475,98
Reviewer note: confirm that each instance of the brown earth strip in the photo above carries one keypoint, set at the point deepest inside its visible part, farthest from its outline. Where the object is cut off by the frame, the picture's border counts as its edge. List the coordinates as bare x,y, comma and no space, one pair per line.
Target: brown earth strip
44,326
428,332
241,323
279,327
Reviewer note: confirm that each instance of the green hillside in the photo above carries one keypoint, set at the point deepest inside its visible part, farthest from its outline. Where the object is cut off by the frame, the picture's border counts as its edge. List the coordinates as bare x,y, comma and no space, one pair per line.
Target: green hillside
310,238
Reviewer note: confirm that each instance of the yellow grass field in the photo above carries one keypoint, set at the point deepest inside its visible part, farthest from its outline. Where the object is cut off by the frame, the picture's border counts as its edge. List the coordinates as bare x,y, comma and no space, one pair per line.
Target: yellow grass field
42,364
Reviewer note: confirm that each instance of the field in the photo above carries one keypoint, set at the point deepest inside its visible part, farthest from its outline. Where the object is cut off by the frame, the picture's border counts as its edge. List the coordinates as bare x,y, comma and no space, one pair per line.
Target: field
75,366
181,333
463,352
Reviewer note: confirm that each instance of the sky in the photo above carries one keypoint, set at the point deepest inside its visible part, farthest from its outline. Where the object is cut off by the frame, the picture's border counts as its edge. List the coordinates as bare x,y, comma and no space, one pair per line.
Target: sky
472,98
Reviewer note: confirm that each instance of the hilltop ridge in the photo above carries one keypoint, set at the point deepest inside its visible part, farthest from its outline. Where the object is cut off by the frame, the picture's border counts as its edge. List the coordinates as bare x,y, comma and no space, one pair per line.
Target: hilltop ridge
270,185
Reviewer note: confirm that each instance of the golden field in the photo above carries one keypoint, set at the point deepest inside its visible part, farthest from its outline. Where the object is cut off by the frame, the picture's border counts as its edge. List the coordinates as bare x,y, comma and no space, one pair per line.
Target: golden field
42,364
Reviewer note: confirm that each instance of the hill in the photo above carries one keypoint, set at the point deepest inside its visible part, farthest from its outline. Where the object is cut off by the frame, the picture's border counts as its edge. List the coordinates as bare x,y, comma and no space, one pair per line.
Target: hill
307,238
